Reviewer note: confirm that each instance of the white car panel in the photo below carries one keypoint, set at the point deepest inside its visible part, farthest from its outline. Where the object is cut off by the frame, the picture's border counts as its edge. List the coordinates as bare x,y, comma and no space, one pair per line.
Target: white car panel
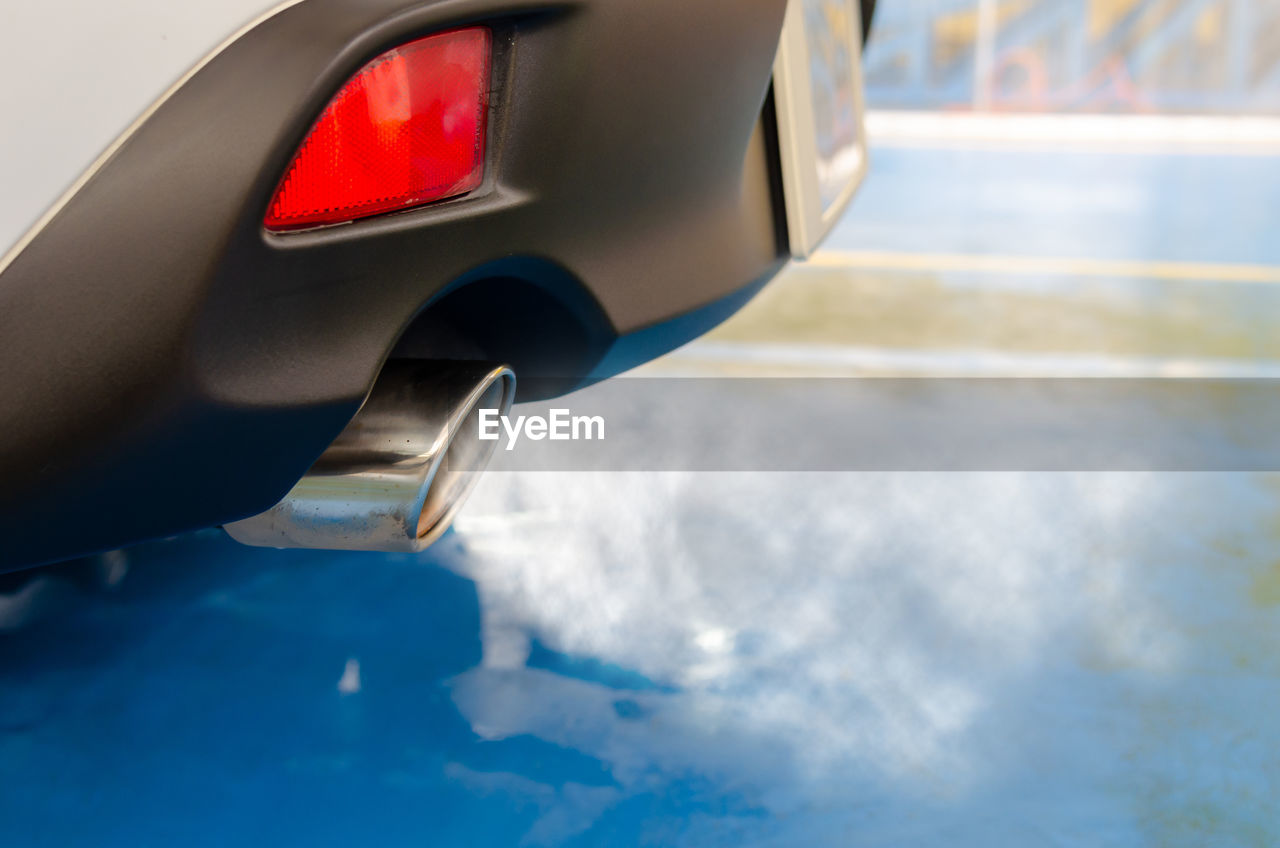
77,74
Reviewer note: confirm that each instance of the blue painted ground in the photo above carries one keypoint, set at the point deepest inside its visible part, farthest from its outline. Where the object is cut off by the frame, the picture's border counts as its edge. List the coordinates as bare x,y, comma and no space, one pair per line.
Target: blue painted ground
1072,204
712,659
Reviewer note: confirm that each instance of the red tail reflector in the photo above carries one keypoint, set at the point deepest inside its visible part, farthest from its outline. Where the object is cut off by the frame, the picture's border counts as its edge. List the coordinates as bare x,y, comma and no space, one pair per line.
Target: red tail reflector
408,129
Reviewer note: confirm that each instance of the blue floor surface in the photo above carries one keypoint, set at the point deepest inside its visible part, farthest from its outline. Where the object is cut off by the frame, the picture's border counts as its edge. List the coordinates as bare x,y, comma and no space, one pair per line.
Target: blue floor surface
717,659
1170,207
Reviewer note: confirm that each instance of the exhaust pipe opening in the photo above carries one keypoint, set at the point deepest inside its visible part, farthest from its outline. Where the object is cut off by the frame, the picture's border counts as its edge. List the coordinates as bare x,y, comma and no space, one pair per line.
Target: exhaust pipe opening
396,476
464,460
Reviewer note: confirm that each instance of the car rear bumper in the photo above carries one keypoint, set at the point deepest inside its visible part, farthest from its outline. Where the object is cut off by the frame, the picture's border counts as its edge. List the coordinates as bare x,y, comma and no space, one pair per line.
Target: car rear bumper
167,364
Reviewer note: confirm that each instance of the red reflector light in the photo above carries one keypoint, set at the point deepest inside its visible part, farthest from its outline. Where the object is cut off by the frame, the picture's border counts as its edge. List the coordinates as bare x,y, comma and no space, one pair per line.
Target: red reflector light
408,129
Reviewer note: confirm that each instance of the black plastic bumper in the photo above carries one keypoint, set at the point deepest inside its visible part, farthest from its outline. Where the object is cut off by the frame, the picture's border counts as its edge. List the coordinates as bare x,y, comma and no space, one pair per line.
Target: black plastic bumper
166,364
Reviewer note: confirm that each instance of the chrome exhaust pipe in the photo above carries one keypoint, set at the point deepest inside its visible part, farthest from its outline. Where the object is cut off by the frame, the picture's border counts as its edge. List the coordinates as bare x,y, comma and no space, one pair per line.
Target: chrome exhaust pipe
396,476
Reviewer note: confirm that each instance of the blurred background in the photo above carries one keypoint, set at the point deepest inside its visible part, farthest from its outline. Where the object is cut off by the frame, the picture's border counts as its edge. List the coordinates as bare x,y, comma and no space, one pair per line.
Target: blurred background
1207,57
1071,188
1092,178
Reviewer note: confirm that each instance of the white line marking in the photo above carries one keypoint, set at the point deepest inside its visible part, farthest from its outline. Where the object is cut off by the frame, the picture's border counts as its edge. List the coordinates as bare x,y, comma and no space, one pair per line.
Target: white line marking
970,363
1192,134
1068,266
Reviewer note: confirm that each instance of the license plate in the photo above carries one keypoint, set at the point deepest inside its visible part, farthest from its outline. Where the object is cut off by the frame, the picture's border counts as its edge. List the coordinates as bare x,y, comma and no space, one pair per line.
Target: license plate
817,85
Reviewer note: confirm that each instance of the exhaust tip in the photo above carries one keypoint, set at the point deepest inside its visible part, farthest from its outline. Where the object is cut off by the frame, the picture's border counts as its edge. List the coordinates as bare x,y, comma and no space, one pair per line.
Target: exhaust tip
396,476
465,456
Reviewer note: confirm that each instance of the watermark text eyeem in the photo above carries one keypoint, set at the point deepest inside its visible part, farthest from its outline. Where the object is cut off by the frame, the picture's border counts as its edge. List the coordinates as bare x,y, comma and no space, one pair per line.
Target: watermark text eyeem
559,426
